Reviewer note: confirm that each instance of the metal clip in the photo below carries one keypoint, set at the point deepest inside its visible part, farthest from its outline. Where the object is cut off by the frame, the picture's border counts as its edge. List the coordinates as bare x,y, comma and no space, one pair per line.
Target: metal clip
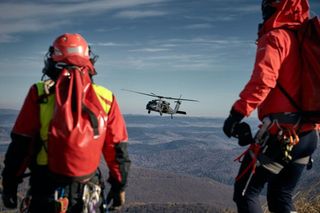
62,202
90,197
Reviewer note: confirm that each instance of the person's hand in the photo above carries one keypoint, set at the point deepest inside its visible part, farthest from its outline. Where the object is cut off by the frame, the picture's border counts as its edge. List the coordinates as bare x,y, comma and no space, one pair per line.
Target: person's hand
9,201
9,193
117,198
231,122
243,133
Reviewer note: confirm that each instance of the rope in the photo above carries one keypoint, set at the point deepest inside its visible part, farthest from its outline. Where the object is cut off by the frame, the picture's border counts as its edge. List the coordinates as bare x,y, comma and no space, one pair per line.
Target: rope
254,149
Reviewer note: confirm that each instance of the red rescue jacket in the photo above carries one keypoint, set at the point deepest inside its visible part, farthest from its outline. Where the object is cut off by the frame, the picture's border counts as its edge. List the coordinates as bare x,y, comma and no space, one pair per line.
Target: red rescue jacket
28,125
277,60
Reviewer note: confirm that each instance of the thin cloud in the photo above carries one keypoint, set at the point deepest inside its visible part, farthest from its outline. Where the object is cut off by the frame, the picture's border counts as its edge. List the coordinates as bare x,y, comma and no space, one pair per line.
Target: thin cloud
176,57
169,45
216,18
132,63
243,9
225,12
133,14
197,26
207,54
149,50
108,44
192,66
44,16
224,42
112,29
29,26
64,1
28,10
6,38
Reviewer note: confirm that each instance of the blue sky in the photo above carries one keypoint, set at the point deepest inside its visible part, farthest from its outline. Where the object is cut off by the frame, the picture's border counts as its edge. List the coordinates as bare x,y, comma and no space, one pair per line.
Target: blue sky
200,49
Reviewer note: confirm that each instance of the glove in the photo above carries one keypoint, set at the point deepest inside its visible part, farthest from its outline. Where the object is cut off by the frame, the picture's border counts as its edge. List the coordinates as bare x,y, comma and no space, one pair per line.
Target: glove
9,201
9,193
117,198
231,122
243,133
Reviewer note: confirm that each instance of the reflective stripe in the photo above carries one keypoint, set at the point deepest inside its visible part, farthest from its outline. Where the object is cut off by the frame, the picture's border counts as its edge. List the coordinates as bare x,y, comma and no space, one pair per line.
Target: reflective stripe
42,157
303,161
105,97
46,113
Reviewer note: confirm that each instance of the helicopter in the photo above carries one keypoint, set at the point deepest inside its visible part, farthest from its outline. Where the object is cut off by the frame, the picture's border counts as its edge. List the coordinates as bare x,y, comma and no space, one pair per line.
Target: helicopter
161,105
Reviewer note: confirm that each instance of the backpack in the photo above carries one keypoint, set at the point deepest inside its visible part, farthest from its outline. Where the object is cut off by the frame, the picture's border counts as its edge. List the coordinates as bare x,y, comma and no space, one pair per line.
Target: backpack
309,47
78,127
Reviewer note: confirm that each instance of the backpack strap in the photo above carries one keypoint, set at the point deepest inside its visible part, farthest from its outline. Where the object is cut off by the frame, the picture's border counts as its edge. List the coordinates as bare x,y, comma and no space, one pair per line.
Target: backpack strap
46,103
282,89
293,103
93,120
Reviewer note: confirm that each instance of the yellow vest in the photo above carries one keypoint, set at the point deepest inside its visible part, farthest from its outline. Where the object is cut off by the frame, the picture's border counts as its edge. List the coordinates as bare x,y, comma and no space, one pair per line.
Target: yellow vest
46,113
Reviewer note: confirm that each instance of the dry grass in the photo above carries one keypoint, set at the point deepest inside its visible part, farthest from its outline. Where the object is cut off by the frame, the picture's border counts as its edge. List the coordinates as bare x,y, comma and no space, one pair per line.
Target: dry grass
305,202
304,205
302,201
228,211
309,200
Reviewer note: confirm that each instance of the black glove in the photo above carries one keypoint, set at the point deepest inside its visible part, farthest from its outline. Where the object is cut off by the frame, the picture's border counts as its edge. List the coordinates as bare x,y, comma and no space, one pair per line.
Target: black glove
9,193
117,197
231,122
243,133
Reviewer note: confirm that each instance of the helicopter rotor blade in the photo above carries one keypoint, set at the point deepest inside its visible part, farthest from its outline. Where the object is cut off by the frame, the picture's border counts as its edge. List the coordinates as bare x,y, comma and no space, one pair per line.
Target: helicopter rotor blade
181,99
142,93
160,96
155,95
173,98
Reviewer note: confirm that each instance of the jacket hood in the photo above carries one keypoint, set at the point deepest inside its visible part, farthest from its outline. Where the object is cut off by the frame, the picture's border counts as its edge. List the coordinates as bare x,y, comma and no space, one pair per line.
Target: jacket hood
289,14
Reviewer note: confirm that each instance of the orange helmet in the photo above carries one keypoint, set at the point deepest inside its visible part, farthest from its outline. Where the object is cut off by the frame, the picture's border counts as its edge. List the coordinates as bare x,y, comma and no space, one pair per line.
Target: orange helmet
70,45
69,48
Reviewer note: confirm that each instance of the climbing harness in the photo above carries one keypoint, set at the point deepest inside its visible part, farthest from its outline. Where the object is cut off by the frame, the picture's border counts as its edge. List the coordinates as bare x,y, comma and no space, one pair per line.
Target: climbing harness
286,136
254,151
91,197
61,200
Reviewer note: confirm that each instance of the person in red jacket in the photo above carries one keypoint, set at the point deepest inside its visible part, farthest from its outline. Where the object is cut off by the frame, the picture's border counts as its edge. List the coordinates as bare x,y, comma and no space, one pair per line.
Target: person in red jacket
30,138
289,142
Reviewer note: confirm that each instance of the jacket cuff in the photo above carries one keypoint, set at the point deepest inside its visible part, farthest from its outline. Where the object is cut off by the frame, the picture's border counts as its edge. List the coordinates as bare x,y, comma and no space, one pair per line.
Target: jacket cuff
116,186
236,115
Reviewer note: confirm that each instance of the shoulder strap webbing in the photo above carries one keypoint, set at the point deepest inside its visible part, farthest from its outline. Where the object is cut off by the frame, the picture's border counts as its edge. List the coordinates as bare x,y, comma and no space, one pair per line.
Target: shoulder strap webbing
294,104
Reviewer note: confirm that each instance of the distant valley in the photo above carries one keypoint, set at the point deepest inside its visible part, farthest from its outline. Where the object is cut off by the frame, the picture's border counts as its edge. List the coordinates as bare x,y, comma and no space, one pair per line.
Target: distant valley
179,163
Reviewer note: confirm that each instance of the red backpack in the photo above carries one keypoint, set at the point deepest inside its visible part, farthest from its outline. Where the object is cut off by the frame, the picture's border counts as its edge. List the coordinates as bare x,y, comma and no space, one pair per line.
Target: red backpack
309,41
309,37
78,127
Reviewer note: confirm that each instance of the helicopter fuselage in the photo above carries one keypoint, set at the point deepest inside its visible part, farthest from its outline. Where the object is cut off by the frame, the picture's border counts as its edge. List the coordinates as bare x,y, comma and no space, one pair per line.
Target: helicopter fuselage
162,106
159,106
